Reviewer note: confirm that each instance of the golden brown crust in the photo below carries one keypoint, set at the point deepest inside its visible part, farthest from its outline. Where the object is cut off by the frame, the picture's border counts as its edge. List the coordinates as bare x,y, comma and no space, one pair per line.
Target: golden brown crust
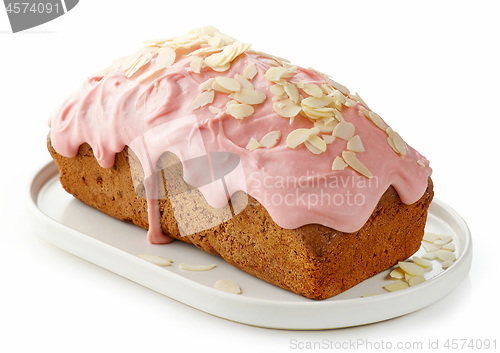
315,261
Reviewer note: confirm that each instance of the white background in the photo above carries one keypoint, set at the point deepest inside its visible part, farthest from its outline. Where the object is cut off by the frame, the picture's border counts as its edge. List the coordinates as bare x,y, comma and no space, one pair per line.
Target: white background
429,68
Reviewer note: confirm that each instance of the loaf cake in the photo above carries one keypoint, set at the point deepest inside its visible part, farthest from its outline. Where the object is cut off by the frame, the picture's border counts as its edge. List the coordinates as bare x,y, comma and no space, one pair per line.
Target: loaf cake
278,169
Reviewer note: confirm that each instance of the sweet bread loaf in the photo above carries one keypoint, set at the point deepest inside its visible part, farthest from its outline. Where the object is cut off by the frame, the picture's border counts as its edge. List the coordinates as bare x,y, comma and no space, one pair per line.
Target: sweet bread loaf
278,169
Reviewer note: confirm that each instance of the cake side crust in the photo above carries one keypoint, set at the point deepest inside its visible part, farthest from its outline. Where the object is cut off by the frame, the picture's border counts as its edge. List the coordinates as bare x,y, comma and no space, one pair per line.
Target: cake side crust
315,261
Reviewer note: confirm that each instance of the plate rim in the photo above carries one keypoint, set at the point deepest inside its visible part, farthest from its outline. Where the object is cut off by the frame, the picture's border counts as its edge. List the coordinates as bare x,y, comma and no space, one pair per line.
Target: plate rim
279,313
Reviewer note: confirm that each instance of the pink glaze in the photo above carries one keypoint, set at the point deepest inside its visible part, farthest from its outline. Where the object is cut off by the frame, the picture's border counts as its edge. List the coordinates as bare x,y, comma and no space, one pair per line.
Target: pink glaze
294,185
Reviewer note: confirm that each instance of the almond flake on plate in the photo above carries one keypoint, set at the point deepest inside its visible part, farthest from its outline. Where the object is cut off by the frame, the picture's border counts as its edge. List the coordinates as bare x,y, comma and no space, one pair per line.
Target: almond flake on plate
416,280
158,260
396,285
228,286
411,268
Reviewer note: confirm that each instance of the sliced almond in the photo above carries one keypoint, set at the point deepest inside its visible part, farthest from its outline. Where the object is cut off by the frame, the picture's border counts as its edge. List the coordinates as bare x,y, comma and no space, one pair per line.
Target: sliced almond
299,136
411,268
277,90
449,247
430,255
329,139
276,73
166,57
217,87
214,110
250,71
222,68
253,144
240,111
270,139
286,108
313,90
344,130
397,273
396,285
227,286
431,237
339,163
317,142
446,264
188,267
203,99
197,64
207,85
158,260
353,162
228,83
399,144
292,92
422,262
416,280
143,60
317,102
445,255
326,127
245,84
249,96
149,74
354,144
430,247
377,120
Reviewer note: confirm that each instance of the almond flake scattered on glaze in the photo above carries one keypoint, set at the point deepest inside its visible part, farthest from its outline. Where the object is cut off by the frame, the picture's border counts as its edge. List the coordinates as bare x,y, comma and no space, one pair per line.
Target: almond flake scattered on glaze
445,255
143,60
228,83
149,74
416,280
222,68
166,57
350,103
277,90
329,139
214,110
270,139
317,142
339,163
197,64
158,260
325,127
203,99
354,144
344,130
358,99
227,286
250,71
131,60
397,273
411,268
292,92
240,111
420,163
207,85
313,90
253,144
337,85
217,87
245,84
353,162
421,262
299,136
188,267
396,285
313,149
300,84
249,96
398,143
286,108
317,102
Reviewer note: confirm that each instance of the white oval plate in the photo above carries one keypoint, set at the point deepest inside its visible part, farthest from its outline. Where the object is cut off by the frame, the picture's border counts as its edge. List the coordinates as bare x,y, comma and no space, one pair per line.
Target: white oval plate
114,245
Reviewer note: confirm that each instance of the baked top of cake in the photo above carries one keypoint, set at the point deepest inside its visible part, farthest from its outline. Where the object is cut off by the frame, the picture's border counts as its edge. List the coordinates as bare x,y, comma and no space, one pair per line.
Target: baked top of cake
309,150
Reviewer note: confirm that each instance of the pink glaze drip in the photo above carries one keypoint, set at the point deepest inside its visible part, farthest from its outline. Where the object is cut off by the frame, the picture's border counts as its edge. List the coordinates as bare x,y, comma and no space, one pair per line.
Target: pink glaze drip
295,186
